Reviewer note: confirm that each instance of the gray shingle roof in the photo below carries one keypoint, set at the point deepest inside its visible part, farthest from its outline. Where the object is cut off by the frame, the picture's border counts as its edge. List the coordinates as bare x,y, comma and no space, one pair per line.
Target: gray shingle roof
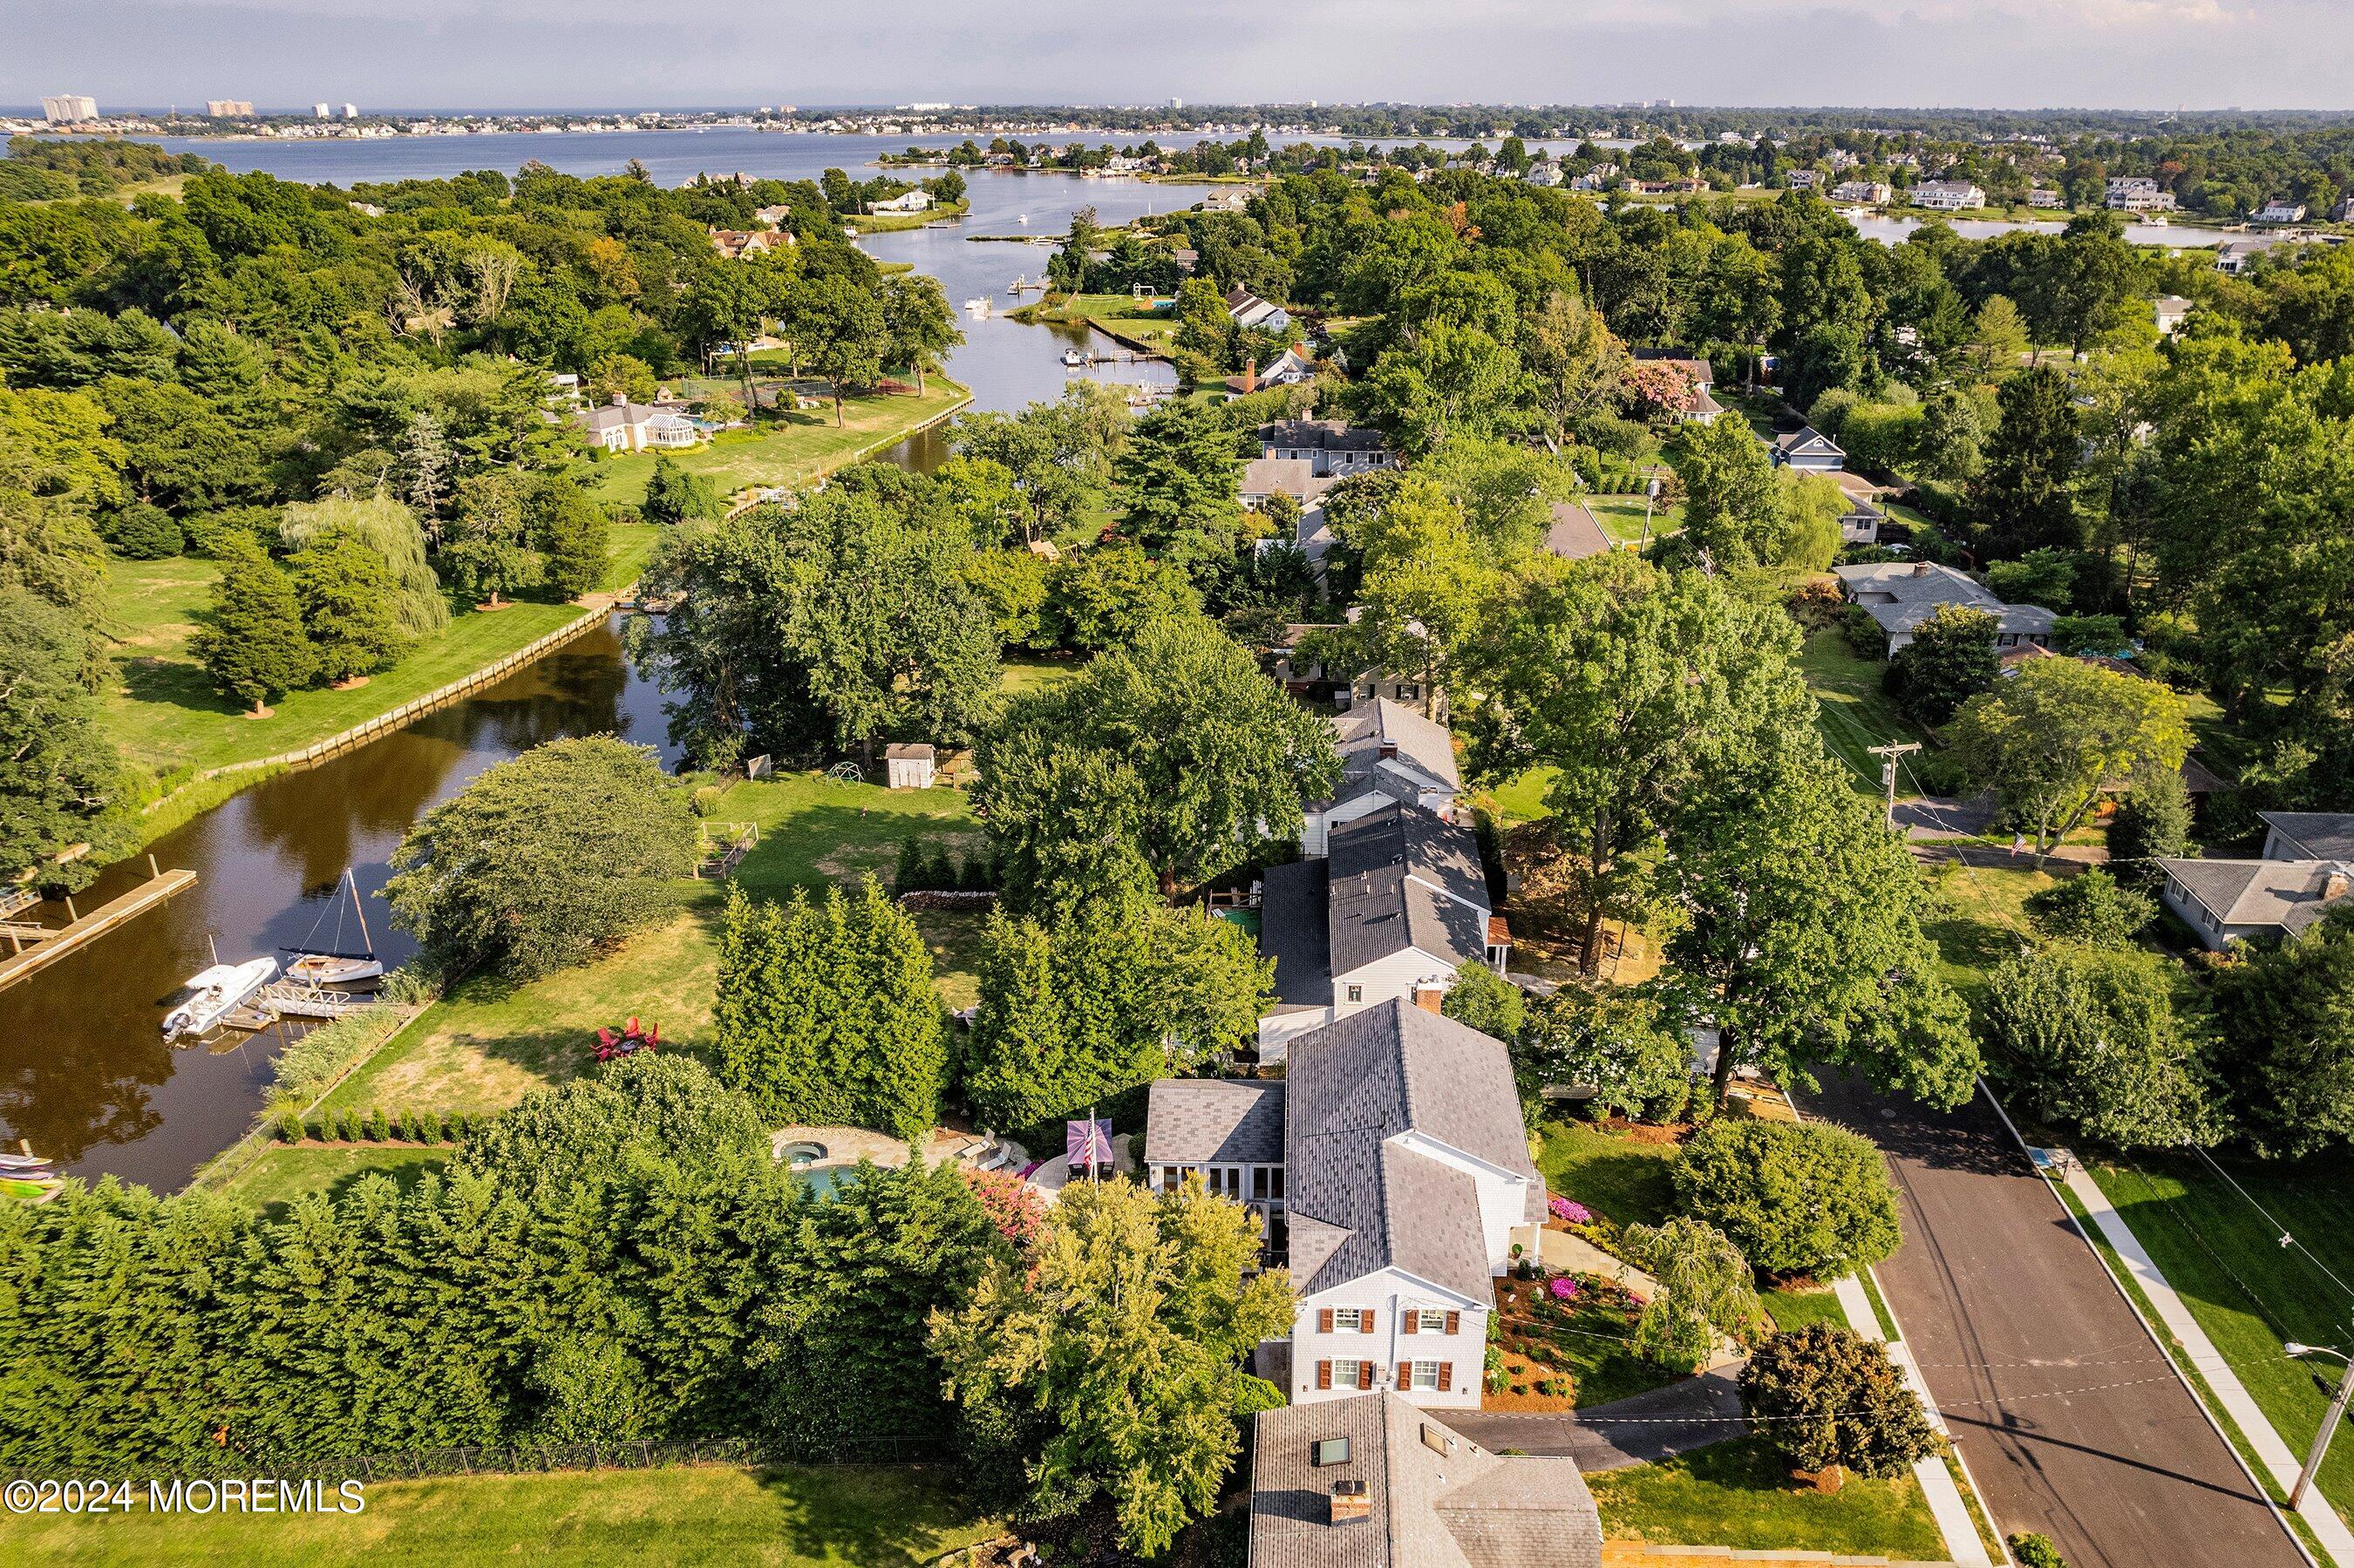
1361,733
1804,438
1197,1121
1296,477
1918,588
1364,1079
2318,835
1436,1498
2289,894
1331,435
1574,535
1404,879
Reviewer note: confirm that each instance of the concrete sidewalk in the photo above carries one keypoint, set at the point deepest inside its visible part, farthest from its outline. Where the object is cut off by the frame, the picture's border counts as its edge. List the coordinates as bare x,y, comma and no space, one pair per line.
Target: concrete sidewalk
2281,1462
1937,1488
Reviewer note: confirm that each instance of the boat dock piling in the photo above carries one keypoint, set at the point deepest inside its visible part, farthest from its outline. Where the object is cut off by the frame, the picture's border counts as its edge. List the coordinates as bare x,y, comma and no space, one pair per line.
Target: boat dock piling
34,947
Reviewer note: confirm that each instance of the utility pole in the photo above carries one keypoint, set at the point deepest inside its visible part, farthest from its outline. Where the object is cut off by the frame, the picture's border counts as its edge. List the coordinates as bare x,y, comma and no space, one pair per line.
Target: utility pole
1650,497
2328,1423
1888,755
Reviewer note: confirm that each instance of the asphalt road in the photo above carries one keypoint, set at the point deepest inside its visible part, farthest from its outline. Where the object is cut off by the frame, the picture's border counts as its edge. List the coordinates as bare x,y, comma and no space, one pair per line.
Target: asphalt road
2071,1422
1642,1429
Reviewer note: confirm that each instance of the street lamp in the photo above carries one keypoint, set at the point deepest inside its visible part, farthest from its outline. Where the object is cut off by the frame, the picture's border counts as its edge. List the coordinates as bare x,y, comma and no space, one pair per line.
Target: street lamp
2329,1422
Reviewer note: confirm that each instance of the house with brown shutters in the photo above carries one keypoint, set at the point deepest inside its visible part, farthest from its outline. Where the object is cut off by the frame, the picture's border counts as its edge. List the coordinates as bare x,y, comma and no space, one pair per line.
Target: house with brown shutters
1403,1187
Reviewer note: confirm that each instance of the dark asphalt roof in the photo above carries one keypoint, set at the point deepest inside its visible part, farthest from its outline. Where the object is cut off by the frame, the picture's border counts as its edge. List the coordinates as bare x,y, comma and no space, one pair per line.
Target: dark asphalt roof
1401,878
2319,835
2287,894
1292,931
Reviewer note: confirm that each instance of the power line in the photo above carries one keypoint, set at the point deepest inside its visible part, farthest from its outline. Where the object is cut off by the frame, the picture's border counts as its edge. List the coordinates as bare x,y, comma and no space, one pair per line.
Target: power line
2287,1238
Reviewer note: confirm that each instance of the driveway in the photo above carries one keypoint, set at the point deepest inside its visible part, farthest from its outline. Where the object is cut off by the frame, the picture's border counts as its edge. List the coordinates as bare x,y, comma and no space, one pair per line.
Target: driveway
2072,1421
1641,1430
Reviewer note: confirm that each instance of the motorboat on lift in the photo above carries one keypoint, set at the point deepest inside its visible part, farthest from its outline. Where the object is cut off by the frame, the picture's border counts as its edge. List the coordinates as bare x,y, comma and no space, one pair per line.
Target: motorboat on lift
215,993
336,965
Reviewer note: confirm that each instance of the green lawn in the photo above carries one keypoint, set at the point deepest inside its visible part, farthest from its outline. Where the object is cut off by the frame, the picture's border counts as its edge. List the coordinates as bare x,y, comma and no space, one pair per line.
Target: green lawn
1611,1173
282,1173
1120,315
1982,919
1522,800
164,713
1796,1308
1739,1494
485,1045
829,1517
790,450
1851,710
2251,1294
1622,516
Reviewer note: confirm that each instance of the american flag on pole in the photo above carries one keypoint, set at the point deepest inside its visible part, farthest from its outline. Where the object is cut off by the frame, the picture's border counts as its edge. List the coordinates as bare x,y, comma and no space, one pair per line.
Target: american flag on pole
1087,1143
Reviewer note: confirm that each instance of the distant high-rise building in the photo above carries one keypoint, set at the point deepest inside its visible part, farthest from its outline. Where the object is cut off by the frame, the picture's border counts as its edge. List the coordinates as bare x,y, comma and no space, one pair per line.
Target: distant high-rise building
351,112
1176,103
69,108
229,109
318,112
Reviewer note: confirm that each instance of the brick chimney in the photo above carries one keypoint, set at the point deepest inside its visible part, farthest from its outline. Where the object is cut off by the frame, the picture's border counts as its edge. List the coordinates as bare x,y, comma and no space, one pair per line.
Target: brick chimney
1350,1502
1429,997
2335,882
1250,375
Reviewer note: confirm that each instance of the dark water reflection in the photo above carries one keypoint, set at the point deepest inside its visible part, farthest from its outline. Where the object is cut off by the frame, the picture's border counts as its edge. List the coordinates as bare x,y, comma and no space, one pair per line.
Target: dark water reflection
84,1074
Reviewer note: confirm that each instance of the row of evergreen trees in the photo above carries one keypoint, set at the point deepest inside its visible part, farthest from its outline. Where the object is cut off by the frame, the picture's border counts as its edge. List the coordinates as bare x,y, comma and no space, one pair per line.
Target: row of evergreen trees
827,1013
620,1258
942,871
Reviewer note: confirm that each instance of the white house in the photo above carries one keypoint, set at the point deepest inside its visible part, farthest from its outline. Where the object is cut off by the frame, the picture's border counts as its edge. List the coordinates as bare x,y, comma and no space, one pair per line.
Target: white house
2133,192
1390,755
1397,1188
1398,903
1901,594
1249,310
1948,196
2045,197
2168,311
1870,193
2279,212
1292,367
917,200
622,426
1808,451
1376,1481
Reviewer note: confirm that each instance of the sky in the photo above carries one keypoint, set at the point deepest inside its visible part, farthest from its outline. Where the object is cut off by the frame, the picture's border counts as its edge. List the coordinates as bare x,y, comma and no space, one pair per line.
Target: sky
645,54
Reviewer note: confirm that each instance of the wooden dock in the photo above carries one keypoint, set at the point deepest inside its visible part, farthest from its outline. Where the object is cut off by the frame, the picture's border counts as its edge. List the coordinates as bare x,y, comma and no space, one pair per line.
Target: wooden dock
33,952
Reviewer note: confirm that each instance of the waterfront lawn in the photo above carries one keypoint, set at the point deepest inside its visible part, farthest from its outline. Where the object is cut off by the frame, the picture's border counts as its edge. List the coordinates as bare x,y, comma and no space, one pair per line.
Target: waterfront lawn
788,449
486,1044
1850,709
1739,1494
816,1517
282,1173
1615,1174
1122,316
165,714
2250,1294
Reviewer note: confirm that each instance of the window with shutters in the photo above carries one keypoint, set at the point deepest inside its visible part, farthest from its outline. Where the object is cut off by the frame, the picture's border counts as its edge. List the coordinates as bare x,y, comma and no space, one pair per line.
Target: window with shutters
1349,1319
1425,1375
1349,1374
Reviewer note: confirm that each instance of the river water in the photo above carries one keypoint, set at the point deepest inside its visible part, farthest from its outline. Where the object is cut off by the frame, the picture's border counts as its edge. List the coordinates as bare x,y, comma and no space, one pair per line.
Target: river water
84,1074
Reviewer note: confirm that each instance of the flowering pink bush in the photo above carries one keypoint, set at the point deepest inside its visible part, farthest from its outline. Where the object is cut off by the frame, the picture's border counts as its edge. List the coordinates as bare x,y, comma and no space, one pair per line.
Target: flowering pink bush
1564,1290
1571,1212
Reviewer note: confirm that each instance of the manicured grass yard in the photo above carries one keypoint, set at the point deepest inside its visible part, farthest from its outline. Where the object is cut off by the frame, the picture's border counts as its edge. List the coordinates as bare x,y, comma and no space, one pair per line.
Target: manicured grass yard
1522,800
486,1045
1612,1173
165,714
1740,1494
1123,316
282,1173
2251,1294
829,1517
1796,1308
793,450
1622,516
1983,920
1851,710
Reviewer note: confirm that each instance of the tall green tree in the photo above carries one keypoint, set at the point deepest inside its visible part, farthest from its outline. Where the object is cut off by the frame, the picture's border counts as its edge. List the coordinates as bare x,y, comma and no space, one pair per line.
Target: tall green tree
2091,1034
2285,1039
1196,755
827,1014
348,606
1115,1351
391,533
1795,1197
59,775
921,326
1733,506
1180,477
1705,1294
545,860
2059,731
254,647
2025,494
839,328
675,495
1950,660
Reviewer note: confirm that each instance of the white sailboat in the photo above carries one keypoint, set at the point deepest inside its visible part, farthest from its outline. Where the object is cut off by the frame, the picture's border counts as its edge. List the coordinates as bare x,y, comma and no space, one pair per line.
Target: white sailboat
337,964
217,992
